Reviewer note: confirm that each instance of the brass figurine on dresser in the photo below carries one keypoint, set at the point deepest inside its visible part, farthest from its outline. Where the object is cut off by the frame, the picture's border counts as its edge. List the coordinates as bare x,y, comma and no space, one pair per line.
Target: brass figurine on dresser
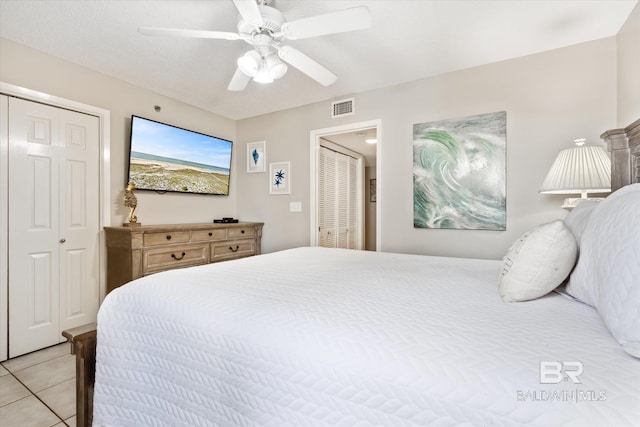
140,251
131,202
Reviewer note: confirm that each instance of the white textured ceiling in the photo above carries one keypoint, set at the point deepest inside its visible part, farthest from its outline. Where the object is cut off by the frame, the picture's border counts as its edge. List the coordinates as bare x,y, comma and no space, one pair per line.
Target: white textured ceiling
409,40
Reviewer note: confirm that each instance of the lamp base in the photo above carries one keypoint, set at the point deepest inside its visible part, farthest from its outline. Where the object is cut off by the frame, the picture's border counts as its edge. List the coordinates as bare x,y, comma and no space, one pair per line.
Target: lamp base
572,202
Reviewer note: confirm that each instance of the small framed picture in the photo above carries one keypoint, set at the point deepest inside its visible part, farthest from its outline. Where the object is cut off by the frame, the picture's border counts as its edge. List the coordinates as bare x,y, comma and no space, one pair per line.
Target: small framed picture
256,156
280,178
372,190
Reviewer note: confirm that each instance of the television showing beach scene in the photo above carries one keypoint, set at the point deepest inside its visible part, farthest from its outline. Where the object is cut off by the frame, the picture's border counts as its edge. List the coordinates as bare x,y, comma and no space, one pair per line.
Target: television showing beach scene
168,158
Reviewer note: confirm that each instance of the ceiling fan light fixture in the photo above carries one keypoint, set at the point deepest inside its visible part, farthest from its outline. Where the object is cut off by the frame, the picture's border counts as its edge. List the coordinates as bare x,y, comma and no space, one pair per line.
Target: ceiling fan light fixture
249,63
275,66
262,76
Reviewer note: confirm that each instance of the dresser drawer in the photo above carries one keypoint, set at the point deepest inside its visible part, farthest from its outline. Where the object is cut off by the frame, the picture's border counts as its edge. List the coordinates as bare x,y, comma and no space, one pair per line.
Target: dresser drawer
167,238
232,249
239,233
154,260
208,235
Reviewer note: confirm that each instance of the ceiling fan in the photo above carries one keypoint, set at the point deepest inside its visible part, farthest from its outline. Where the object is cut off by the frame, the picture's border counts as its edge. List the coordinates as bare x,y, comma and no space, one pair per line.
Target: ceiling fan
265,28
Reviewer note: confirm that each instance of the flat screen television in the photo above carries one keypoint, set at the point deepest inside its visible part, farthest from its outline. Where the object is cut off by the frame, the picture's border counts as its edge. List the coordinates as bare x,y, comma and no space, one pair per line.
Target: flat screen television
163,158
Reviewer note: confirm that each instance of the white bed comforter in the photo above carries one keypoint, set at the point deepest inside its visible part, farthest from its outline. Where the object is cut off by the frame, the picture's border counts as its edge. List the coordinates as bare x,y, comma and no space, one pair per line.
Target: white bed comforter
313,336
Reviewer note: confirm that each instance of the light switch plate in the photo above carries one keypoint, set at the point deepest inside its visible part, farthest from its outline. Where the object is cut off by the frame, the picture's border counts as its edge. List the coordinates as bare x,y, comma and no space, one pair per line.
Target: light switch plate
295,207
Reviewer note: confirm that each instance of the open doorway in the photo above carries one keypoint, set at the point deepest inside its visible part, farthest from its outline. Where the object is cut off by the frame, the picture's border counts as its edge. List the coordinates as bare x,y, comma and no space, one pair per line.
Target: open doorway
357,144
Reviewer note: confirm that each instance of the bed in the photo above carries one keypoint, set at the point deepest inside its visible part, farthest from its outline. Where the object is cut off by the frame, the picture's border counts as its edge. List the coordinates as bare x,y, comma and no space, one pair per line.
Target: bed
317,337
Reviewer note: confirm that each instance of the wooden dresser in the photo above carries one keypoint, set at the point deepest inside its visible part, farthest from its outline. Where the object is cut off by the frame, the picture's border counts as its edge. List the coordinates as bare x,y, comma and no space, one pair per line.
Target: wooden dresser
133,252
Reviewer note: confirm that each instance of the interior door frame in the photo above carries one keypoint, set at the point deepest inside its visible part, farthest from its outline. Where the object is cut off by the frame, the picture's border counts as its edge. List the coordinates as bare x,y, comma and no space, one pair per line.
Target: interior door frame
314,140
104,117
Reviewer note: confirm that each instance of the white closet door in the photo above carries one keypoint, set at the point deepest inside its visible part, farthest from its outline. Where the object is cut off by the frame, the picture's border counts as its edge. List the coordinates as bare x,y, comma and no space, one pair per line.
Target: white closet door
337,200
347,201
33,227
342,202
352,210
52,273
79,219
327,199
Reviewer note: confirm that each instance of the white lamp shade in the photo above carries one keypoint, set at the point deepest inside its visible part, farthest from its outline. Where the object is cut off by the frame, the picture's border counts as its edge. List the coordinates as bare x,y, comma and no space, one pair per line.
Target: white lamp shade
249,63
262,76
579,170
275,66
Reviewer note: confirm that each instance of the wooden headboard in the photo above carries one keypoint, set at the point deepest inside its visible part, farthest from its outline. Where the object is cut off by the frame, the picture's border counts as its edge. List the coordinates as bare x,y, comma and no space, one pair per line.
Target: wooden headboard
624,145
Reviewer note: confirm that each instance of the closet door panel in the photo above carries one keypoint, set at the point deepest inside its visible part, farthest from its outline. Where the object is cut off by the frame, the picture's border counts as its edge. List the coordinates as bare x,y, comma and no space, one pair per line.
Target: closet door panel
38,288
342,202
327,235
79,214
33,227
352,210
39,194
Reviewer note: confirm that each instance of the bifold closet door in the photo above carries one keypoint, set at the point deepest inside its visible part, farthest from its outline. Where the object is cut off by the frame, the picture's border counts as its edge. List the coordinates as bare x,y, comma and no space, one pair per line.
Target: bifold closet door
347,201
53,223
327,199
337,200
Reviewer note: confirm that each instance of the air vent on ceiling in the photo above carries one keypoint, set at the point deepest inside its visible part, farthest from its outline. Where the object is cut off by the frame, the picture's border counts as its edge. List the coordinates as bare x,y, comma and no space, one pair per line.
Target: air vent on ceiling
344,107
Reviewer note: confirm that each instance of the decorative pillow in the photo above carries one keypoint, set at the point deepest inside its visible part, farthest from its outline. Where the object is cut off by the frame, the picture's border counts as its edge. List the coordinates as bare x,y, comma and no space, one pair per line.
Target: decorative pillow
607,275
538,262
577,219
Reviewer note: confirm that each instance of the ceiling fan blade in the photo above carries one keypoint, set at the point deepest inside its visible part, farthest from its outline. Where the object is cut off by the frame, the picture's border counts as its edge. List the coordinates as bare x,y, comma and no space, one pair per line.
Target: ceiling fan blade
250,12
239,81
357,18
307,65
177,32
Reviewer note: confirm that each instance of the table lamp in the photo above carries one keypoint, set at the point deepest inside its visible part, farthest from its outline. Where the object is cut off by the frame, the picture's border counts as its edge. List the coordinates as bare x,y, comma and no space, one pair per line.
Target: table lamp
579,170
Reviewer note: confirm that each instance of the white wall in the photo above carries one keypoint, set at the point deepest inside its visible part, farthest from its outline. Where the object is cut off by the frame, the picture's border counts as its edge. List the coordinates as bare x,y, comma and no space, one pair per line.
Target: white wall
550,98
628,57
25,67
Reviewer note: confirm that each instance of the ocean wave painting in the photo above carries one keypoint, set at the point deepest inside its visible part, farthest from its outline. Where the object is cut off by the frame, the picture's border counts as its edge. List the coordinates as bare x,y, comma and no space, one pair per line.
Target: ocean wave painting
459,173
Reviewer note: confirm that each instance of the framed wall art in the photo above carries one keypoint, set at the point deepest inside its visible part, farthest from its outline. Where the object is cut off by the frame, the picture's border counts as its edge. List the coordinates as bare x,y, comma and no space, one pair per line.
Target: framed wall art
459,173
256,156
280,178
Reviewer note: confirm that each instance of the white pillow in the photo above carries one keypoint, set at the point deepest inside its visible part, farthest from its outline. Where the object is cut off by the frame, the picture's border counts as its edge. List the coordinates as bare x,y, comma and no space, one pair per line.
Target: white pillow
577,219
607,275
538,262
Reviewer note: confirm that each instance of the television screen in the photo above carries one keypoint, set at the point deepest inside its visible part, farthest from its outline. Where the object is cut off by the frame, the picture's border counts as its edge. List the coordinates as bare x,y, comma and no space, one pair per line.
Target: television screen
168,158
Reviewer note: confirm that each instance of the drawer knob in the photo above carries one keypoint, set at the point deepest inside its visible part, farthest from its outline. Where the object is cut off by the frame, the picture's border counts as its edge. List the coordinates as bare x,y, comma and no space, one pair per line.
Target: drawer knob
168,236
234,250
175,257
242,231
210,234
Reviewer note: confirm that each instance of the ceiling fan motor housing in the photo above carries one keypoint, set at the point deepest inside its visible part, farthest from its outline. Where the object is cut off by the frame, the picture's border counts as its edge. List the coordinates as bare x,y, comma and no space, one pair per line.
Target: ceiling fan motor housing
272,22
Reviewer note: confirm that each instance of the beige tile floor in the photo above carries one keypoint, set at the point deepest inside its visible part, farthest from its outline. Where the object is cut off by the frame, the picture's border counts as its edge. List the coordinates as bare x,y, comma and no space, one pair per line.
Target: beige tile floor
38,389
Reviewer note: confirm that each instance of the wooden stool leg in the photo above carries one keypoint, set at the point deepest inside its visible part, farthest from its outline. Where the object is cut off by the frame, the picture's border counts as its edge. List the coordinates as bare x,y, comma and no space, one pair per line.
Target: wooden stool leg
83,345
